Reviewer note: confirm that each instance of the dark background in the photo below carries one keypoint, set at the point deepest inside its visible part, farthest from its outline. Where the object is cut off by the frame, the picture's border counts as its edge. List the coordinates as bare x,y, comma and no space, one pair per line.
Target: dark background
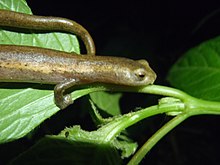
159,31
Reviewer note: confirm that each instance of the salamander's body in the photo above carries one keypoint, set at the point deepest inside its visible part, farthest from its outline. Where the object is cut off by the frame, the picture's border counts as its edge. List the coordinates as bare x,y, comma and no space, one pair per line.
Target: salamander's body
38,65
46,66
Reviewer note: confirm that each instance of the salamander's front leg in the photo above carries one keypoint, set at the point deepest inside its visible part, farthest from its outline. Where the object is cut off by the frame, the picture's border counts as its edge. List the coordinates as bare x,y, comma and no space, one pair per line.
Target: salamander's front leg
63,100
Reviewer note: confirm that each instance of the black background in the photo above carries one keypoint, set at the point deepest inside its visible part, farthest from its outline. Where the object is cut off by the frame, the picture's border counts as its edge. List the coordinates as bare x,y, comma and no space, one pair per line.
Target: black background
160,31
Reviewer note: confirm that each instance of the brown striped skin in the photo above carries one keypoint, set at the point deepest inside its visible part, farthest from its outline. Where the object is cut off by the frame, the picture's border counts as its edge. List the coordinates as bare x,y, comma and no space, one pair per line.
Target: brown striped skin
26,21
46,66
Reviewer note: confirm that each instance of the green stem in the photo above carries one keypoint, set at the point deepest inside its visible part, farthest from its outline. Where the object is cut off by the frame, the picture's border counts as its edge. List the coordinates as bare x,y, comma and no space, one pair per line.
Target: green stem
117,125
151,89
164,91
193,105
136,159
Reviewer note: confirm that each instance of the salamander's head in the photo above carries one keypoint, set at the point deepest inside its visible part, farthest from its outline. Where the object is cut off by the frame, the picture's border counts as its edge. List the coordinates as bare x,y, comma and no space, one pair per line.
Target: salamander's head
135,73
138,73
116,70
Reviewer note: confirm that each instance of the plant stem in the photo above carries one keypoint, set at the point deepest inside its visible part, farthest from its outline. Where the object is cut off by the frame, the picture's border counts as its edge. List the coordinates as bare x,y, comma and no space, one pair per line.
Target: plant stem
151,89
151,142
117,125
194,105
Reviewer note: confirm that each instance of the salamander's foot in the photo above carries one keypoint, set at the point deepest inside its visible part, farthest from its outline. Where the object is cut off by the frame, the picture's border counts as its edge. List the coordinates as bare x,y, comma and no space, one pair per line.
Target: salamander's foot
63,101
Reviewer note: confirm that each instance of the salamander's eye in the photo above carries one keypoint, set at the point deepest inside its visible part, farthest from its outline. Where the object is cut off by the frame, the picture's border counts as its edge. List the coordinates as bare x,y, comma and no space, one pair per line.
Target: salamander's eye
140,74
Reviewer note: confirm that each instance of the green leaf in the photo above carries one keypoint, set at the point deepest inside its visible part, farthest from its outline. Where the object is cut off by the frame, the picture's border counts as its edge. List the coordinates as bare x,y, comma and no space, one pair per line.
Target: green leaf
59,150
15,5
53,40
24,107
21,111
127,146
198,71
108,102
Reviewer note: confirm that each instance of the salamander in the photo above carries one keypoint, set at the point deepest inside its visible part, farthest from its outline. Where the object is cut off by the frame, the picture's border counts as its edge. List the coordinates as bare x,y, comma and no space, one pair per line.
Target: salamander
65,70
